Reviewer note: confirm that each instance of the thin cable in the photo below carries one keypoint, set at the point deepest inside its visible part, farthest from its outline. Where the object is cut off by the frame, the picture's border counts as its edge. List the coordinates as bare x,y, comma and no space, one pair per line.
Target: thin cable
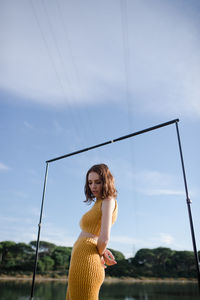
62,61
53,64
79,85
126,56
126,60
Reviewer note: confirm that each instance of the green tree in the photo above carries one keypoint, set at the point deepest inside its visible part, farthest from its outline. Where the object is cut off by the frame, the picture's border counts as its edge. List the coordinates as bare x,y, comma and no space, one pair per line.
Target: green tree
123,268
158,262
183,264
61,257
44,246
24,256
144,261
117,254
16,256
162,259
45,263
7,259
1,253
48,262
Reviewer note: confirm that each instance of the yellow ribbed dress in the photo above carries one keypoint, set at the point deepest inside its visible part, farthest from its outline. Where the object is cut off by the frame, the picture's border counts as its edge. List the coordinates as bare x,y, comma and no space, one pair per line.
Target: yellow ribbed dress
86,273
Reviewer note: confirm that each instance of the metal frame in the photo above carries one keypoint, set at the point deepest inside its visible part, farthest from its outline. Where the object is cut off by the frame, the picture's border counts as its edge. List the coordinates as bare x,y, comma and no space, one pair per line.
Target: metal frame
188,201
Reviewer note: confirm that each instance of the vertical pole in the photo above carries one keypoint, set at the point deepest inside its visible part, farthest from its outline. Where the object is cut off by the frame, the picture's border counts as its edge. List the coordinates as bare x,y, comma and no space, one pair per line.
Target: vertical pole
38,237
189,208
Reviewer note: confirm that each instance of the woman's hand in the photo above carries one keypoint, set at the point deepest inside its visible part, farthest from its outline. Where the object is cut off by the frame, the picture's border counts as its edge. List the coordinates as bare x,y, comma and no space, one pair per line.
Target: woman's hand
103,262
109,258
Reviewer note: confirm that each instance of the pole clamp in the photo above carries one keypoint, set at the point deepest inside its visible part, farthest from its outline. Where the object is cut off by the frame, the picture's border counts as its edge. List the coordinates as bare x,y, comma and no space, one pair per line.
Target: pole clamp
188,200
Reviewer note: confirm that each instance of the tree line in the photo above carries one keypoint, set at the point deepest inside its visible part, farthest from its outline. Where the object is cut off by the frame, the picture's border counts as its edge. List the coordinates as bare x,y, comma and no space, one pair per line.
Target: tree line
18,258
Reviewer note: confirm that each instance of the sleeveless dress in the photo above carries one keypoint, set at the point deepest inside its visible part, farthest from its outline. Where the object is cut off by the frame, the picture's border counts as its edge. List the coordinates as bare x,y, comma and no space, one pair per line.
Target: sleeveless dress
86,272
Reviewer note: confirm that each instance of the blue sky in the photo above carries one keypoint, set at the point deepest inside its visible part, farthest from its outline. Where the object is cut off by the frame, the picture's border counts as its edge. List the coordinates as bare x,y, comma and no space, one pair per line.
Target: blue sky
78,73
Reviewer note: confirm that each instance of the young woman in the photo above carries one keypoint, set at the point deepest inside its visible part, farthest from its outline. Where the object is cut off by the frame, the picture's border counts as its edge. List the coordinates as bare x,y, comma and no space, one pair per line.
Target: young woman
89,255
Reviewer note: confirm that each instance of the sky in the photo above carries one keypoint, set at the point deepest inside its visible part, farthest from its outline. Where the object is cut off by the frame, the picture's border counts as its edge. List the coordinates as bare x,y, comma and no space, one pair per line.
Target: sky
74,74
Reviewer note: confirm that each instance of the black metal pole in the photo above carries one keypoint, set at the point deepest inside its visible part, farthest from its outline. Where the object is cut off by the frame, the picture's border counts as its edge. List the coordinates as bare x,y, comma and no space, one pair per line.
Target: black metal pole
189,208
73,153
38,237
106,143
114,140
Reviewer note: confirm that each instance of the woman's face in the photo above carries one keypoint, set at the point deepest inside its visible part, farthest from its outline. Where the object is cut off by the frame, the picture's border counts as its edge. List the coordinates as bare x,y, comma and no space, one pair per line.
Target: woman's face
95,184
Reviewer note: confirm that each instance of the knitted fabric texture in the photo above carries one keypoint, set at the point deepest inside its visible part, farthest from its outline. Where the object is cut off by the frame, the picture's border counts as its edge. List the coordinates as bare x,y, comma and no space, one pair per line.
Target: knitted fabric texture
91,221
86,272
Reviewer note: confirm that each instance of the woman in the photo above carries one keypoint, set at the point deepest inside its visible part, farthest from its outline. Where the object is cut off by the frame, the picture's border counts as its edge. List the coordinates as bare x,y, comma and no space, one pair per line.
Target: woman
89,254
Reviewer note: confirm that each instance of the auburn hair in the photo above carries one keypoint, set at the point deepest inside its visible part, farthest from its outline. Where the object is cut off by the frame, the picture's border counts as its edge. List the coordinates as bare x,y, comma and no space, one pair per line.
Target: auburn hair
108,183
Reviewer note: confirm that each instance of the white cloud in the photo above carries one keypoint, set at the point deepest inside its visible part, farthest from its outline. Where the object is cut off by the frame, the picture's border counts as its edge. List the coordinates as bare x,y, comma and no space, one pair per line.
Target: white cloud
58,237
28,125
144,181
167,239
167,192
148,182
129,245
156,241
20,194
153,176
124,239
24,229
4,167
52,59
15,228
151,182
9,219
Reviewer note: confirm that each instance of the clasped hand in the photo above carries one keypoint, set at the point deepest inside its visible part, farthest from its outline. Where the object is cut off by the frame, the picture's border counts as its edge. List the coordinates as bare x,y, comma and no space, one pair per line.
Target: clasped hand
108,259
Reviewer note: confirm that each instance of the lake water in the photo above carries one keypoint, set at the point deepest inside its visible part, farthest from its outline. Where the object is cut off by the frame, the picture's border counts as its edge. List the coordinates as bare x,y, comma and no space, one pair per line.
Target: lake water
55,290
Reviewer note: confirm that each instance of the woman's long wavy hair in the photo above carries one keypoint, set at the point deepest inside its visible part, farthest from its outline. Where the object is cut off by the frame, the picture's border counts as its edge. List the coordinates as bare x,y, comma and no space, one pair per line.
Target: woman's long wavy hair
108,181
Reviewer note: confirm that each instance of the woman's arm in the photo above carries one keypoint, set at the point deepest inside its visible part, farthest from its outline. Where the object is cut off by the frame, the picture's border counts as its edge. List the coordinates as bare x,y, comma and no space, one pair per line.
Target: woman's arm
107,208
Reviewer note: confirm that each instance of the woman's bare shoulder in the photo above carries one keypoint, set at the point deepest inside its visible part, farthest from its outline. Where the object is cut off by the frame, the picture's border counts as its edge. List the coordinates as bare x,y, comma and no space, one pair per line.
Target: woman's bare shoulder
109,199
109,202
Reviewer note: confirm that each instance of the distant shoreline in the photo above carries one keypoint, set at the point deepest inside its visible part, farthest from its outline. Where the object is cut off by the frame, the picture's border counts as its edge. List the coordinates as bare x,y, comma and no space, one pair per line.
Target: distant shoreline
40,278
